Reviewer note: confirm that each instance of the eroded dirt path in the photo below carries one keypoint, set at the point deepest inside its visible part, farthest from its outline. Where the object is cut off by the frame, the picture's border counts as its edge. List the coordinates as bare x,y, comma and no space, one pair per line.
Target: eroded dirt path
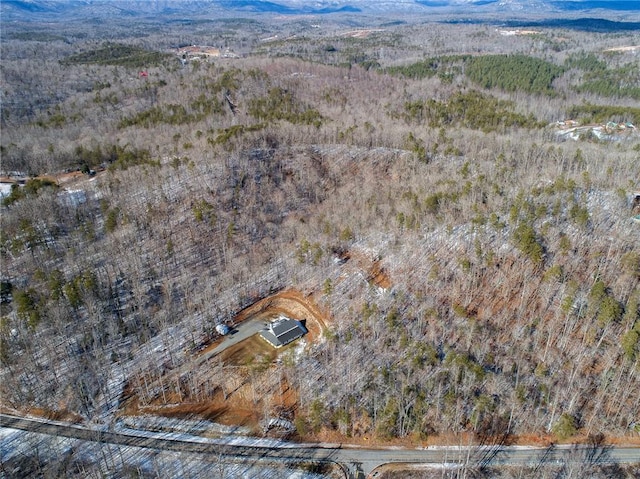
290,302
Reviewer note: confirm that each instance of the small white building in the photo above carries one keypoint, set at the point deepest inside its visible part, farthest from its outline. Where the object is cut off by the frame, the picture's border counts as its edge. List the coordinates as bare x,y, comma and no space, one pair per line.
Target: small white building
222,329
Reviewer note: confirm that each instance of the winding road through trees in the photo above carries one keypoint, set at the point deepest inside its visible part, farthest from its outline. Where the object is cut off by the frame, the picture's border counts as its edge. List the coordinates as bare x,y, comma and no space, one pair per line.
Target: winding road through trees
353,461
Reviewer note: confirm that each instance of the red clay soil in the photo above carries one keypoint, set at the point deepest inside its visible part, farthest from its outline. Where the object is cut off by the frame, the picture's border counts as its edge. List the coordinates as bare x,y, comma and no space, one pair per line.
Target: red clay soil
372,268
52,414
250,363
378,276
290,302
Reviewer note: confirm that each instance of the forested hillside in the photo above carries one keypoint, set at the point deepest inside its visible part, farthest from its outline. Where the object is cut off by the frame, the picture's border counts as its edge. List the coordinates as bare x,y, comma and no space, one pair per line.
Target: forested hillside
478,274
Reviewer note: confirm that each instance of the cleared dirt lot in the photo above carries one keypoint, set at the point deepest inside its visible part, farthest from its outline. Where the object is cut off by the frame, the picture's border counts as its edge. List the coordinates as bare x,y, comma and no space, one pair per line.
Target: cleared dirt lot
291,303
241,385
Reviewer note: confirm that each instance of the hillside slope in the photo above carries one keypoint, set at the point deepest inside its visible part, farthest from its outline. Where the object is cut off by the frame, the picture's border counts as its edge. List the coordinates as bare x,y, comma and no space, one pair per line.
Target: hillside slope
478,275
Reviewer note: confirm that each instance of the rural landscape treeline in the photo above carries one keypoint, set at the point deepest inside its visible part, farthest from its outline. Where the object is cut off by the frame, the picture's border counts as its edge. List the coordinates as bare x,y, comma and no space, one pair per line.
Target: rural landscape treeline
479,272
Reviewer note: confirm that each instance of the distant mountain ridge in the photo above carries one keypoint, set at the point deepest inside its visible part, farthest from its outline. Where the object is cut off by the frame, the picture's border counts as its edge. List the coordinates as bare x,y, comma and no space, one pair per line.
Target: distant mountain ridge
57,9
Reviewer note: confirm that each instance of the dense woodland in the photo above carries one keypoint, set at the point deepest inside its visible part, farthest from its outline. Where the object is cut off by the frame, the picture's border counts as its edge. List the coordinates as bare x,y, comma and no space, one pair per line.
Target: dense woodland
513,260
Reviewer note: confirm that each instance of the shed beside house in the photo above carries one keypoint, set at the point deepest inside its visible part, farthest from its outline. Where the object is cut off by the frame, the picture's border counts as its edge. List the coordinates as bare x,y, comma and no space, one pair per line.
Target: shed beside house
282,331
222,329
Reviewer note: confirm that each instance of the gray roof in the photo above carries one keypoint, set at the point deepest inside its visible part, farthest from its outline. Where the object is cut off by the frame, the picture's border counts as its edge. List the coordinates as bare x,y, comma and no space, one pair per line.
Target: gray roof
283,331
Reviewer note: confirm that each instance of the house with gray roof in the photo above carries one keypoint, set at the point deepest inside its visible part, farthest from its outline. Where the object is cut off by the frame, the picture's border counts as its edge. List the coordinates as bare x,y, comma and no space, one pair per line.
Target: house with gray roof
282,331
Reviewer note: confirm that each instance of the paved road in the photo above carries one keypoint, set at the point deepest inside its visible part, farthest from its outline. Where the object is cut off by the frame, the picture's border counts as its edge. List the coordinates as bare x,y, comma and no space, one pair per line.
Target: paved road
167,443
353,459
370,459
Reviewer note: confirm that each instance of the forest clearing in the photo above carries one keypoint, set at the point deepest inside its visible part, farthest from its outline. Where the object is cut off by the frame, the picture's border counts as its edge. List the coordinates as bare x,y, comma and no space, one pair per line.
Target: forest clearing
236,399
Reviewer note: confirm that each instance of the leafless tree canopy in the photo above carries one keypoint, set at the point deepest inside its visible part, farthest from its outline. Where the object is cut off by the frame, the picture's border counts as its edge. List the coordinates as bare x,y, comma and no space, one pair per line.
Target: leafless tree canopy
308,158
